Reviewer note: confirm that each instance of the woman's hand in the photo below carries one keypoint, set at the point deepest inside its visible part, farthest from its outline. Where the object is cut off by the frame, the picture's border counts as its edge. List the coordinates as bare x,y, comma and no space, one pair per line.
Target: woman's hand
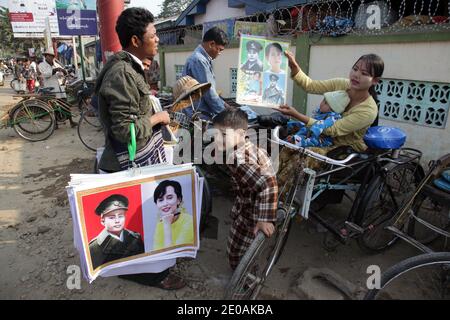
286,110
266,227
293,65
160,117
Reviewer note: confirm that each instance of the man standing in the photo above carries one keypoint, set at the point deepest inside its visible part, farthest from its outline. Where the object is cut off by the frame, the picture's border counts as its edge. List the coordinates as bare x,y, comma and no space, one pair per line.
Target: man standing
123,98
199,66
152,73
50,71
114,242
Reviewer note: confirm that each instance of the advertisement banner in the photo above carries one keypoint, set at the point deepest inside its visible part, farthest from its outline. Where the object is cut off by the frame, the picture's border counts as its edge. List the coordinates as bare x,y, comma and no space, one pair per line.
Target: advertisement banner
28,17
77,17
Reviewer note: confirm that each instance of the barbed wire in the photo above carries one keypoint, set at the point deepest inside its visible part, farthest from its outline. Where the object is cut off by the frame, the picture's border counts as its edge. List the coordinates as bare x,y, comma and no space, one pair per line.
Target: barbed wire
336,18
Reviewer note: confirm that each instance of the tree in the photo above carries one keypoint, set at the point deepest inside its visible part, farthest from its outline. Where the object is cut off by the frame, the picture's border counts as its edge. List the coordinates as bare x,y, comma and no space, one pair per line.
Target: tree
170,8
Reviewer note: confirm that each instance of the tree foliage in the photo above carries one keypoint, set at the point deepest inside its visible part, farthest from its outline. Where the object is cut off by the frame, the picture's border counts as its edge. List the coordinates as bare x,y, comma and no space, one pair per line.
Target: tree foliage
170,8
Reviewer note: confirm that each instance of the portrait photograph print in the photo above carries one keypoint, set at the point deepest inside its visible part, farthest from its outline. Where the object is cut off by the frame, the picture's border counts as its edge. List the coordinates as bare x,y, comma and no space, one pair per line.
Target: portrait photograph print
261,79
140,218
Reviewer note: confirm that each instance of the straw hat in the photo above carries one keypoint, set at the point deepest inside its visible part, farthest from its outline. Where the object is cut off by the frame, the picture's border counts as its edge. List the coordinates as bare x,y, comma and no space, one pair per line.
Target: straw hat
187,85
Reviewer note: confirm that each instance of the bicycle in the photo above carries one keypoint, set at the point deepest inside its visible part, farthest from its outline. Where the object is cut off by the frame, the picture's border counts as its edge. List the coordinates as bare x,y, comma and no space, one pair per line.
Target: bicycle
90,131
378,178
423,218
36,116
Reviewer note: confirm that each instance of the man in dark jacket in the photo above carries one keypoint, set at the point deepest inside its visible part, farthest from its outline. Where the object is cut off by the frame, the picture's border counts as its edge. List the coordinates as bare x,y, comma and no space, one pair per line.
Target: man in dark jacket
123,97
123,94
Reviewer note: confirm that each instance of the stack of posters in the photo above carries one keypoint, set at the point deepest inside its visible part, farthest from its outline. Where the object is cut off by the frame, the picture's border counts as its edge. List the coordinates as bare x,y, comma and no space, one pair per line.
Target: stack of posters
262,74
135,221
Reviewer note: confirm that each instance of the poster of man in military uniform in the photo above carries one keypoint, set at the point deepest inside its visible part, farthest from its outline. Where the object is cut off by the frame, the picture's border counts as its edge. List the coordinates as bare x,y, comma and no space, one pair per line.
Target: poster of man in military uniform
252,62
273,95
114,241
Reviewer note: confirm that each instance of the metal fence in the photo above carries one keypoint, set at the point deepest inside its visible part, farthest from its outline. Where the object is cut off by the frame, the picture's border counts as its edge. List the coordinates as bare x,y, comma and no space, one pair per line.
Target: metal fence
336,18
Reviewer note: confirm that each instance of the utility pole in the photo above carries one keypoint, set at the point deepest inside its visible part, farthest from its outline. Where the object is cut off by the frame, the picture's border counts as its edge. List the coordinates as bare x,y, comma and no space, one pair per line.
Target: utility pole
108,12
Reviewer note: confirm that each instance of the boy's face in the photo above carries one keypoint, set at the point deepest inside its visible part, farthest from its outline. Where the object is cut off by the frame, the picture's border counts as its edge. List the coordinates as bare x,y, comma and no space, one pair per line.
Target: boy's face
226,138
114,221
325,107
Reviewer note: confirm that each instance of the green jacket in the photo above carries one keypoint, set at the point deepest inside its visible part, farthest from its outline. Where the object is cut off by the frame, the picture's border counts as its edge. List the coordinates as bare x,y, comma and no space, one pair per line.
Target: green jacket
122,97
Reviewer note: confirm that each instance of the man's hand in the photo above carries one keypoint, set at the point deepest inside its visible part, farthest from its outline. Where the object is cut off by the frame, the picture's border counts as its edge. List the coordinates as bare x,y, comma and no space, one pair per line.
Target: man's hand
160,117
227,106
266,227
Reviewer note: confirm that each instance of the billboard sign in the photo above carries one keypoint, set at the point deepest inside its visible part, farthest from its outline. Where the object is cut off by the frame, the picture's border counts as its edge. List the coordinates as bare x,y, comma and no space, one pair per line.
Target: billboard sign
77,17
28,17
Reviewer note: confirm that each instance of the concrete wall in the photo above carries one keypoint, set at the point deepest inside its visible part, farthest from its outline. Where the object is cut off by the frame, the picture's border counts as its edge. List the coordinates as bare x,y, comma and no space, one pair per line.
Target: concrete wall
413,61
218,10
228,59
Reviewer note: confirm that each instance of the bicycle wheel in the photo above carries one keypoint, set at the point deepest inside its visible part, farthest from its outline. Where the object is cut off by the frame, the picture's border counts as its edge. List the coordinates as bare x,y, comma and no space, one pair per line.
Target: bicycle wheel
13,84
34,121
426,276
431,210
381,201
255,266
90,132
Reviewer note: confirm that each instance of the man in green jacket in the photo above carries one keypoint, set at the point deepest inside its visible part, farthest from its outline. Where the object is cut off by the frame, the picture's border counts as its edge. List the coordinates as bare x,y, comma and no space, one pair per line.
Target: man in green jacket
123,97
123,94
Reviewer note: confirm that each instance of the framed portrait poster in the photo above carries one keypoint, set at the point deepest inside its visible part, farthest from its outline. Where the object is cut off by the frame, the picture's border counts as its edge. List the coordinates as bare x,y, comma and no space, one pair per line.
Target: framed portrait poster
144,219
262,73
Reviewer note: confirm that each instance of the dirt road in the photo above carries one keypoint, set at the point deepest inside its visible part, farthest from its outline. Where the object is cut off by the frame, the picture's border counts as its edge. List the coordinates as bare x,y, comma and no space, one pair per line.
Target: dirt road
36,241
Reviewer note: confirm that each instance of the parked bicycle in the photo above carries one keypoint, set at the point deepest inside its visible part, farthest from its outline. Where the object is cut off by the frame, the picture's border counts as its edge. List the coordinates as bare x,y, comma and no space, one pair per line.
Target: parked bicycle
379,181
36,116
421,220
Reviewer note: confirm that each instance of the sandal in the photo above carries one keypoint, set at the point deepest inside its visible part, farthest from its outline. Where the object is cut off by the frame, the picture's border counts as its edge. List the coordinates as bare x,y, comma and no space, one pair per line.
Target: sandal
171,282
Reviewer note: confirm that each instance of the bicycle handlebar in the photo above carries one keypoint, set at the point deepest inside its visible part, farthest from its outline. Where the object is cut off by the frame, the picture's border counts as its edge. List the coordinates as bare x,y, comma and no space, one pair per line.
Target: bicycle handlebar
310,153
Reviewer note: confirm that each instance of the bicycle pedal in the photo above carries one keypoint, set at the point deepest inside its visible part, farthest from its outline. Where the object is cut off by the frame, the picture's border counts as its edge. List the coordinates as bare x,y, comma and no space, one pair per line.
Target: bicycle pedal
354,227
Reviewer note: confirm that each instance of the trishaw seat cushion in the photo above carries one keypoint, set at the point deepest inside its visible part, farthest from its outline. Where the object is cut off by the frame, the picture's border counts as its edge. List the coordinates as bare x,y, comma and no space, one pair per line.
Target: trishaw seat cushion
381,137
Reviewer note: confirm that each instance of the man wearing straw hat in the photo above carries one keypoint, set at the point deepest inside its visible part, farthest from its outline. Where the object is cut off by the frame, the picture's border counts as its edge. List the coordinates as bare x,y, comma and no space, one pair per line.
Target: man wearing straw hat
50,71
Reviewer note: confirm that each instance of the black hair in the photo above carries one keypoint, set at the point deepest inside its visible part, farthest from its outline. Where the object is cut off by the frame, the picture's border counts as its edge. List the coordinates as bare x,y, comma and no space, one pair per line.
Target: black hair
217,35
232,118
133,22
375,66
275,45
161,189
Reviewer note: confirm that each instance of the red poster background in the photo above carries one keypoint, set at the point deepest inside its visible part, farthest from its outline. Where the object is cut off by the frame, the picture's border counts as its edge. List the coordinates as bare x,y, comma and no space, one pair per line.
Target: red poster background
133,220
